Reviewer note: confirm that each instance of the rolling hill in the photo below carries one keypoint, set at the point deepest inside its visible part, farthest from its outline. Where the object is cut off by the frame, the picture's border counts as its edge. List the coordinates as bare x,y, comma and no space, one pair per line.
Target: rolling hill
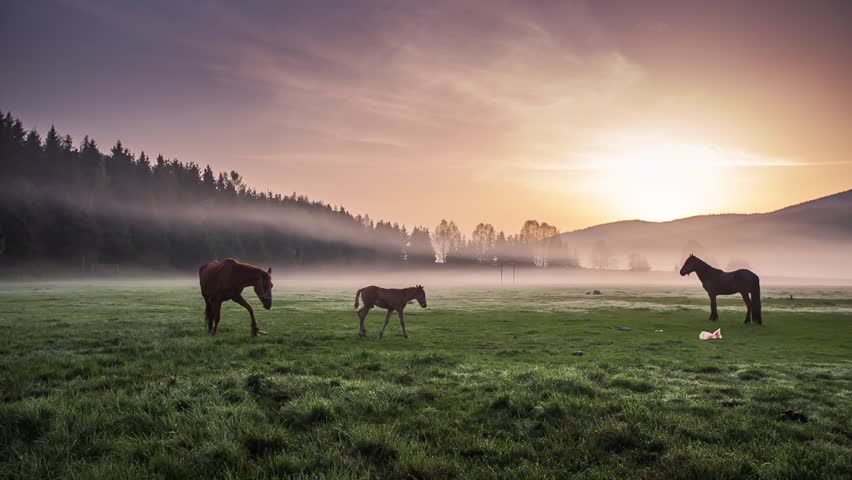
813,238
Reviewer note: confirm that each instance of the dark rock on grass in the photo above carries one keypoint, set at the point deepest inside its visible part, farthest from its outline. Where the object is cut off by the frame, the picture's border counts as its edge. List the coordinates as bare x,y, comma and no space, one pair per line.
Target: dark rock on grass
577,353
596,292
793,416
625,329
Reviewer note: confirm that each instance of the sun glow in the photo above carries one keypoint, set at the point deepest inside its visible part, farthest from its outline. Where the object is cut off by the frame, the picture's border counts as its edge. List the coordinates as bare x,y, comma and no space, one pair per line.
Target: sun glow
657,177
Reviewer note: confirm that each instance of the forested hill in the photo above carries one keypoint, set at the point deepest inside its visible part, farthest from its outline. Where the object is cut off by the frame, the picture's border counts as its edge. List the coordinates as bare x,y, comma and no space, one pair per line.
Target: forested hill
74,204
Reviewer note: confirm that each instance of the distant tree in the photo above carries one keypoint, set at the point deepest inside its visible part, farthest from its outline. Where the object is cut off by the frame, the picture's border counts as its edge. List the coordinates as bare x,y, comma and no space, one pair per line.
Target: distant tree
550,241
573,259
115,208
446,239
530,232
143,166
539,239
638,263
501,246
602,255
483,239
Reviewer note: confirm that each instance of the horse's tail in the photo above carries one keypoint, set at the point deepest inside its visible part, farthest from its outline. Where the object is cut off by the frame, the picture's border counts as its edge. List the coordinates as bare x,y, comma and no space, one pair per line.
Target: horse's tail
756,315
356,297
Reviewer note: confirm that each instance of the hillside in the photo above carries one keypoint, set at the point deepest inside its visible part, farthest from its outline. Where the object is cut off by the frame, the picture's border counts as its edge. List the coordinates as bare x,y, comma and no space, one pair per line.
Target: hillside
813,237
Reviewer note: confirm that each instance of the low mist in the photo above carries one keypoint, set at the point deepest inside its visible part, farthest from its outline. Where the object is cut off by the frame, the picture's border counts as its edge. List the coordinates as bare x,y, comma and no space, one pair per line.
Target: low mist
576,258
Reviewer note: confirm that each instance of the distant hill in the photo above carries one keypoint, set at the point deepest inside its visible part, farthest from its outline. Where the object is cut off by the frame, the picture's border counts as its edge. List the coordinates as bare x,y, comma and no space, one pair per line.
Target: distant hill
812,238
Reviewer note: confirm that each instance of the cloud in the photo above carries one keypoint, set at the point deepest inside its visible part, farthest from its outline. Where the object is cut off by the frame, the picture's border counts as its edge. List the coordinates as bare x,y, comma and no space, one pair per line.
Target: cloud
656,150
431,80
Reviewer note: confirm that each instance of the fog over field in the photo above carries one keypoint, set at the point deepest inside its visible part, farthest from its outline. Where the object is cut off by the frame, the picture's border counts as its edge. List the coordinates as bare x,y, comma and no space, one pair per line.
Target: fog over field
806,244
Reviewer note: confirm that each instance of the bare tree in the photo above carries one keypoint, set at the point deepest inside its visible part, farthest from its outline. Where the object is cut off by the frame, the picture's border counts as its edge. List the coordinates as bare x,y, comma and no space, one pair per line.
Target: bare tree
539,238
445,240
602,256
550,241
483,241
638,263
529,232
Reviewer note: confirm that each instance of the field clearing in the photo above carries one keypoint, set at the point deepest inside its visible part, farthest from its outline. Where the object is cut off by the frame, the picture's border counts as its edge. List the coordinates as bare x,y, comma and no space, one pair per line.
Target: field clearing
123,382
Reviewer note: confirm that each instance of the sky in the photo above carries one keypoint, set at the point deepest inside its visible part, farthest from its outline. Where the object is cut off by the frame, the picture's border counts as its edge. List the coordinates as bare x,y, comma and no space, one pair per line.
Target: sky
573,113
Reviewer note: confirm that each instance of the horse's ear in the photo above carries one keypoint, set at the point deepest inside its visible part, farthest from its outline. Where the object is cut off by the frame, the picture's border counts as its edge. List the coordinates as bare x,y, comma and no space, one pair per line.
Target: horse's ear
269,271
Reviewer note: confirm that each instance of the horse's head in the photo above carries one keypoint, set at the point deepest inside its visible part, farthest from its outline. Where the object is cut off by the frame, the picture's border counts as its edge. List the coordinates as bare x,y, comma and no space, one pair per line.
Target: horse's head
420,295
263,288
688,266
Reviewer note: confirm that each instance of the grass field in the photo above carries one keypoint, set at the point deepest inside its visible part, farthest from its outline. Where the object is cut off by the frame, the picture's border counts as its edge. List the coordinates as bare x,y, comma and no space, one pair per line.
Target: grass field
121,382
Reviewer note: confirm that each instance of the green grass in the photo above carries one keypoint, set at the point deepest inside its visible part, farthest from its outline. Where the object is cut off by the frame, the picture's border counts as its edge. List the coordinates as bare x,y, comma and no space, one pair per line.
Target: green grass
124,383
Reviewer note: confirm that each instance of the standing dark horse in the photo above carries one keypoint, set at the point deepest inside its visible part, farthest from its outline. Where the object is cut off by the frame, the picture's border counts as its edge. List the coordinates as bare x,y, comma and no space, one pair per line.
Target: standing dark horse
225,280
390,299
716,282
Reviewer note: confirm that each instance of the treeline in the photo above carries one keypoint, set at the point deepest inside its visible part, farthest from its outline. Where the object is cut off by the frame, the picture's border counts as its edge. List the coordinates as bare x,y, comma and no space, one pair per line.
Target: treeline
74,204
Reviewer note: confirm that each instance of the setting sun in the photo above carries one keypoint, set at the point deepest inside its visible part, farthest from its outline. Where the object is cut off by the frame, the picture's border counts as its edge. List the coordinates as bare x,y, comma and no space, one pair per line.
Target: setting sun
654,177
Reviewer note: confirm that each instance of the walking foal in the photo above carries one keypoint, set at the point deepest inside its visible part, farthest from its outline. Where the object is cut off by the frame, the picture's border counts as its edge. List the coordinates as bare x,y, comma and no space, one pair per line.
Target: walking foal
390,299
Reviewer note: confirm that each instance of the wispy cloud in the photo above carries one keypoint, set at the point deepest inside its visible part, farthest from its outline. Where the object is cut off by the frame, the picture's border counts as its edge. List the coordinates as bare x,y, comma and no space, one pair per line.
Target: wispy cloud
651,150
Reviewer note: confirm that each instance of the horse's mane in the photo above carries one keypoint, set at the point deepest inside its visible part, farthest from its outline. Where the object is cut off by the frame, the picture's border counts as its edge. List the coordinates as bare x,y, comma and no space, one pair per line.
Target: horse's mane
704,264
243,265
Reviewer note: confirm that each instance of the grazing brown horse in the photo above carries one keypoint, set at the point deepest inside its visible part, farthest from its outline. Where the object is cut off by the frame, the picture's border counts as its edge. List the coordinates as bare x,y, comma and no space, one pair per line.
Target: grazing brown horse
390,299
225,280
716,282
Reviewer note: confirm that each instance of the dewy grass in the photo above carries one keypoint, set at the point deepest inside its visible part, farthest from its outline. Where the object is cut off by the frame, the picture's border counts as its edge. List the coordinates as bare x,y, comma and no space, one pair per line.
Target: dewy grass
125,383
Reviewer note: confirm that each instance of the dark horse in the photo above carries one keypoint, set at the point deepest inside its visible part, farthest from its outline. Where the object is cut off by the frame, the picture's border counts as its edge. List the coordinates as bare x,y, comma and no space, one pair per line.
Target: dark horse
225,280
390,299
716,282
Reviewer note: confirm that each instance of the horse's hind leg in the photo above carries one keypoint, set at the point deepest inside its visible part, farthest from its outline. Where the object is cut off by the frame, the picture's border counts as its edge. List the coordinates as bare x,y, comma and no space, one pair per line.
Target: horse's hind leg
387,319
362,315
217,315
208,315
714,314
748,307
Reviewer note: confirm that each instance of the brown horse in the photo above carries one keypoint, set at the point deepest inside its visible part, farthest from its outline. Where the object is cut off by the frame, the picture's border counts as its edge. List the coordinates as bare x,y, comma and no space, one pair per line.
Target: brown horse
390,299
225,280
716,282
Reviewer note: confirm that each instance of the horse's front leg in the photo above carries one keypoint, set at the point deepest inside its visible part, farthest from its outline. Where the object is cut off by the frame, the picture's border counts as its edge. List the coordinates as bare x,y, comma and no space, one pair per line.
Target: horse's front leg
387,319
402,323
714,314
748,307
255,330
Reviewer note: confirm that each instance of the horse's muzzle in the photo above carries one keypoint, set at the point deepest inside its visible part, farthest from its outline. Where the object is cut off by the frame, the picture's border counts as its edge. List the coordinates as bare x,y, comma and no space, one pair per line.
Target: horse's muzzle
267,302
